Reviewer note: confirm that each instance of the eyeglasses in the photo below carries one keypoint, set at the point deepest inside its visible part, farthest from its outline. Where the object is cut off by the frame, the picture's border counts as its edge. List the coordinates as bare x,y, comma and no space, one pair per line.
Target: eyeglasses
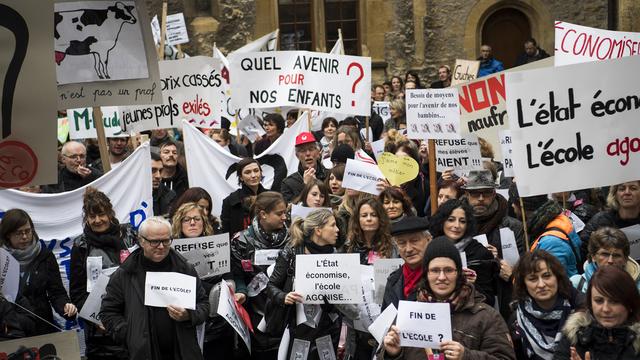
606,255
21,233
156,243
448,271
188,219
485,193
75,156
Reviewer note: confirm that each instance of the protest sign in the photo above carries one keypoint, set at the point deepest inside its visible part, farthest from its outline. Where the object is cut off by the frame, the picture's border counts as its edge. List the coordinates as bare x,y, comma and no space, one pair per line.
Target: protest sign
382,268
315,81
507,151
91,307
422,324
336,276
368,309
9,275
482,239
460,154
377,147
214,249
227,309
265,257
155,30
383,109
509,247
58,345
170,288
465,71
398,169
362,176
176,29
28,96
82,125
433,114
575,124
576,44
380,327
63,129
190,91
251,128
303,211
119,68
633,235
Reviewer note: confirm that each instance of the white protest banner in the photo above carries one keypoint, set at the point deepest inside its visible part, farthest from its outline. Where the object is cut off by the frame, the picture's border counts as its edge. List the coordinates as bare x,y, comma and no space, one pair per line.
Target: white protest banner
577,124
334,276
170,288
82,125
423,325
303,211
576,44
362,176
265,257
465,71
509,247
9,275
383,109
251,128
460,154
176,30
28,95
382,268
483,105
106,63
227,309
190,91
633,235
215,250
267,42
91,308
58,345
433,114
368,310
507,151
316,81
381,325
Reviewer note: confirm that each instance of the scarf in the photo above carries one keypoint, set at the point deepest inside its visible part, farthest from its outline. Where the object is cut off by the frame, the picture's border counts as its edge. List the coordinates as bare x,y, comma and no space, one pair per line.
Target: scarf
109,239
458,298
541,329
411,279
496,212
25,256
462,244
318,249
274,240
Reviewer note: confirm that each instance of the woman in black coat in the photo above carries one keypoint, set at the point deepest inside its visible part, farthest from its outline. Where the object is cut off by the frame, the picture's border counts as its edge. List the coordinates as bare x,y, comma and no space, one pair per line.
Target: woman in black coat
236,208
40,283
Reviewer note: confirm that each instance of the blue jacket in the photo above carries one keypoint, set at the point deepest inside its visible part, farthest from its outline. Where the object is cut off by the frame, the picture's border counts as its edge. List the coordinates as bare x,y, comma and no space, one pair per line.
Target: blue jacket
566,250
490,66
581,282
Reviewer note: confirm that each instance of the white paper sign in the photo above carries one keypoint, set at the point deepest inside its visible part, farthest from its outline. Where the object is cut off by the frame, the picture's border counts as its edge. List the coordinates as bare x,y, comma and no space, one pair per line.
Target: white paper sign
433,114
170,288
362,176
377,147
575,123
303,211
505,145
176,29
460,154
91,306
423,325
215,250
509,247
9,275
578,224
368,310
82,126
463,259
465,71
251,128
336,276
155,29
482,239
381,325
383,109
633,235
266,257
382,268
227,309
316,81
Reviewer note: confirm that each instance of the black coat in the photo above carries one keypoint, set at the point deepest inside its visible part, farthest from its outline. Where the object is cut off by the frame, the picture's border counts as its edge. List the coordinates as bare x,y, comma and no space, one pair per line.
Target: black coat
179,182
235,214
487,268
394,290
293,184
42,289
68,181
602,219
163,199
124,314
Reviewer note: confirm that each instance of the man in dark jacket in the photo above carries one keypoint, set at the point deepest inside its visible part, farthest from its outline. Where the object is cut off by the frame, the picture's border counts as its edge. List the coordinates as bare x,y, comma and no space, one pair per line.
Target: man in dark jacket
163,197
174,176
153,332
411,236
308,153
75,172
531,53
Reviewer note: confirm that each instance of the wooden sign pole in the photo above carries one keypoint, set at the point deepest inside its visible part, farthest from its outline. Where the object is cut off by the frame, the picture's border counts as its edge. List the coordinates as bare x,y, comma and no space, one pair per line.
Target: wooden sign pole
163,30
433,189
102,140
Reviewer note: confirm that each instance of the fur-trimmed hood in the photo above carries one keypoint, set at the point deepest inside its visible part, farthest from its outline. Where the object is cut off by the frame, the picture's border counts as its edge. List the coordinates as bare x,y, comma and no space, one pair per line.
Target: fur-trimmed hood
581,320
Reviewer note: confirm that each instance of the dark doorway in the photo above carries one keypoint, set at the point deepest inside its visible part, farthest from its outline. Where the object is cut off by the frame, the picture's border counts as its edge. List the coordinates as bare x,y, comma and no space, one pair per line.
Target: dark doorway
505,31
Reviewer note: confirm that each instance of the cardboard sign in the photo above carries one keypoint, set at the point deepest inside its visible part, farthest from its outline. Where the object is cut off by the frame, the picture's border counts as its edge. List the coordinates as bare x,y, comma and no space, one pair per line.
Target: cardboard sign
190,90
398,169
9,275
336,276
423,325
119,68
58,345
176,29
382,268
460,154
227,309
362,176
82,125
510,252
380,327
577,44
170,288
633,235
383,109
507,152
215,250
576,124
433,114
310,80
465,71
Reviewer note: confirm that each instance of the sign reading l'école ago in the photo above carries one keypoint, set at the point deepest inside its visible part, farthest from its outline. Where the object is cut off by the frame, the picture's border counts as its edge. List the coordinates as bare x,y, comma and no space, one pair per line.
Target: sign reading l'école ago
334,276
575,127
310,80
190,90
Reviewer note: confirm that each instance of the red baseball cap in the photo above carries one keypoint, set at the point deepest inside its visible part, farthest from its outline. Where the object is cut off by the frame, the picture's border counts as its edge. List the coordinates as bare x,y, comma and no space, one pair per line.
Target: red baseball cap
304,138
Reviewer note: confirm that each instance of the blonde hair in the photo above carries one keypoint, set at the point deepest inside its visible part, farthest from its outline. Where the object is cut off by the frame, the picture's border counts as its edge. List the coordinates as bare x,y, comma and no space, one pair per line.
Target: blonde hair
176,228
303,228
612,201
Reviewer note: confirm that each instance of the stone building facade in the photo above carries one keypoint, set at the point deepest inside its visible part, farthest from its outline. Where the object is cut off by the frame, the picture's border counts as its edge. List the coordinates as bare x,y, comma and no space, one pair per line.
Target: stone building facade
399,35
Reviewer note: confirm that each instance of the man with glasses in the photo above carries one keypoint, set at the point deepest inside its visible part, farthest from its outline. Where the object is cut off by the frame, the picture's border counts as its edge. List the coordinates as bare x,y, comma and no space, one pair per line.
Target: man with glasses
411,237
310,168
75,172
153,332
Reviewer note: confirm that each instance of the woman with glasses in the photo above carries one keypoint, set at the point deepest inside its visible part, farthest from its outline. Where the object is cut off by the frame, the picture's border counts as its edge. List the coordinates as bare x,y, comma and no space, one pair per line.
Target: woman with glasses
190,221
478,331
40,287
201,197
607,246
104,244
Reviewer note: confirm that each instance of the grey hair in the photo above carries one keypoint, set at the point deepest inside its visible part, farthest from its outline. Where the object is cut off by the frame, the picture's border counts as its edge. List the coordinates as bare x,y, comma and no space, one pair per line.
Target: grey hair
157,220
66,145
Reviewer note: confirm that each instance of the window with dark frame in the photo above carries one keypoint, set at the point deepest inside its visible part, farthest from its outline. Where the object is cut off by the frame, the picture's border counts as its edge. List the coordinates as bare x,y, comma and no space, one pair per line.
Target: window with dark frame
342,14
295,25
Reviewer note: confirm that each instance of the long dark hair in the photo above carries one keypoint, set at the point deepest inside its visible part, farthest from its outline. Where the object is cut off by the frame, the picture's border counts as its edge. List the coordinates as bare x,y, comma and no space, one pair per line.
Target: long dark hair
322,187
382,242
440,217
195,194
396,192
529,264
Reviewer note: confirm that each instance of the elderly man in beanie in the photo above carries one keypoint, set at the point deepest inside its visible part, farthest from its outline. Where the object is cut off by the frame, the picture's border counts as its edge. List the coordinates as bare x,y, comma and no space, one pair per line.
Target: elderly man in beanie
310,168
411,236
491,212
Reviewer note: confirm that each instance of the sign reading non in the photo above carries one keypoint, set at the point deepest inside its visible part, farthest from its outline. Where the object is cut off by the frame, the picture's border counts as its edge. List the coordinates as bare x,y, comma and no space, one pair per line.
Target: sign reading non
382,268
335,277
422,324
433,114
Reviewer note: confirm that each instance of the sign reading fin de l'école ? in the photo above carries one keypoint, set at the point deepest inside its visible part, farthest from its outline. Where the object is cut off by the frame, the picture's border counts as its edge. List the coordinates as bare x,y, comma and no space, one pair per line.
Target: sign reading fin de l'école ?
423,325
334,276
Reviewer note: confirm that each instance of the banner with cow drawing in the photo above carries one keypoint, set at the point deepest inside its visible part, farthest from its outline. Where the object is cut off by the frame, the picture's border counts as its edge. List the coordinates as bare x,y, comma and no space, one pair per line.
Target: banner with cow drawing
104,54
191,90
27,95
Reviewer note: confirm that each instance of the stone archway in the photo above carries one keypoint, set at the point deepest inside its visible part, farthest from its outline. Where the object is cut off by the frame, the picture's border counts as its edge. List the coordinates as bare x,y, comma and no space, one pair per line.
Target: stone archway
505,31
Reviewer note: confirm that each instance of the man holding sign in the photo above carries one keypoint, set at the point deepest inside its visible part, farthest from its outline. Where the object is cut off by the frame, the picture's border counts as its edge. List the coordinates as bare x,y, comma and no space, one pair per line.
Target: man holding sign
152,332
477,330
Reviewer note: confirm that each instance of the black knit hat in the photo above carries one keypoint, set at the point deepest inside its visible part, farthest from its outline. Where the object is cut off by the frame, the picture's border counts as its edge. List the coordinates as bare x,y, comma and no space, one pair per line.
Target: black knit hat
341,153
442,247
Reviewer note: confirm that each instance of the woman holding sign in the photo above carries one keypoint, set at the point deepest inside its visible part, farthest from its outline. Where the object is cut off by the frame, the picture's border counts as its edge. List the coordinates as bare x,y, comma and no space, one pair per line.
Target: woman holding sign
478,331
190,221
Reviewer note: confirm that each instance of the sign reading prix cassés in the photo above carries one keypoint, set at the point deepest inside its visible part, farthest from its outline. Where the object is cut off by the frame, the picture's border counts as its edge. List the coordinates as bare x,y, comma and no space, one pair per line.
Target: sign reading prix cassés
316,81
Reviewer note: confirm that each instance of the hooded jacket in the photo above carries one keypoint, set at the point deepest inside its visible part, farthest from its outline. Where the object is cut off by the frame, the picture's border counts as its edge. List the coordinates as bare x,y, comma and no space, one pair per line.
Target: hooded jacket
581,282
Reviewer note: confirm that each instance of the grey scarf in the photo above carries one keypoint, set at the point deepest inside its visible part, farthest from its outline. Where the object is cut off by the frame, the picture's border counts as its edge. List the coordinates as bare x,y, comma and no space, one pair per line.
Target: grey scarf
26,256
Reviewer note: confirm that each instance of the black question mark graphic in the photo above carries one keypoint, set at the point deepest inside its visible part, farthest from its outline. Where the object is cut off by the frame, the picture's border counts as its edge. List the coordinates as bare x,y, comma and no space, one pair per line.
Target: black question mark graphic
13,21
